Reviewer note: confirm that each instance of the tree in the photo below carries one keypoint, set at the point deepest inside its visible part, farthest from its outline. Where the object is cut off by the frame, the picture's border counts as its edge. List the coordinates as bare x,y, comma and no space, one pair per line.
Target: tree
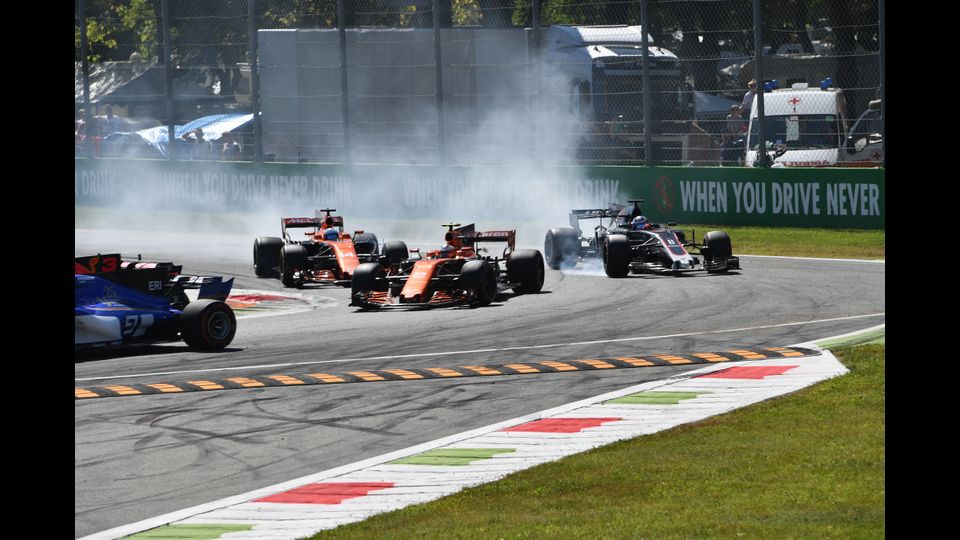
118,28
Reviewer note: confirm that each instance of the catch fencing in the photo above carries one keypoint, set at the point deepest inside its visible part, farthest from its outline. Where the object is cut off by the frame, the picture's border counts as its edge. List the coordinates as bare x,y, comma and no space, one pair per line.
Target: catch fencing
481,82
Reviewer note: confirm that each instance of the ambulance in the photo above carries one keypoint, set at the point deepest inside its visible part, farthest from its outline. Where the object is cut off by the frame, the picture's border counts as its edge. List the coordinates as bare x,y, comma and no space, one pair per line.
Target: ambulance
808,127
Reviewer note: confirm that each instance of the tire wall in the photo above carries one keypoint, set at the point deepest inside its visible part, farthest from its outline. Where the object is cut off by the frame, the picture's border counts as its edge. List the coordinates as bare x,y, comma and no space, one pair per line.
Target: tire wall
828,198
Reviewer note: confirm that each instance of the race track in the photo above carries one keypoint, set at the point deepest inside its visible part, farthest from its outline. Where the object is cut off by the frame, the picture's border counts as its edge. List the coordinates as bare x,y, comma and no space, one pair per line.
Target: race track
141,456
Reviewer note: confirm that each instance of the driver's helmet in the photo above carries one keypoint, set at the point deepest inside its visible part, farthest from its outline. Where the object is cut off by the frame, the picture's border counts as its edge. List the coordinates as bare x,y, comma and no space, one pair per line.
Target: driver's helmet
330,234
447,250
640,223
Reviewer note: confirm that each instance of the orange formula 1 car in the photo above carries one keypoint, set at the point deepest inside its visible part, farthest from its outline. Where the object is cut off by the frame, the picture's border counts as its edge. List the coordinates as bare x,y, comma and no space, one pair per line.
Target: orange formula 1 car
328,255
455,274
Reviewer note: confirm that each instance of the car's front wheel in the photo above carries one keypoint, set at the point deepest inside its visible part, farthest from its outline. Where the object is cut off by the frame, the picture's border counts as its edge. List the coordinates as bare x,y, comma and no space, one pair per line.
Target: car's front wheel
525,266
616,255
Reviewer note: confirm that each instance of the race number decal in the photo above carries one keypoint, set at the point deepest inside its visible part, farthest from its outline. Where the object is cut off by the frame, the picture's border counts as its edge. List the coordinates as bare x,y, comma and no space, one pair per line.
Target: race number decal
136,325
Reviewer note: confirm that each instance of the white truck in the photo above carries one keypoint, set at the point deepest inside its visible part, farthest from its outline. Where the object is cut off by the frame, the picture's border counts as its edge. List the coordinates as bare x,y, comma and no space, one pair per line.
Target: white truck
806,127
602,68
488,82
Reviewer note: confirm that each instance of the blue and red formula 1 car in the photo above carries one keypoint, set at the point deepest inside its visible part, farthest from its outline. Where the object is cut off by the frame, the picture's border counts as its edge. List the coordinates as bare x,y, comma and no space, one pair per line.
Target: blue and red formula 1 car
130,302
455,274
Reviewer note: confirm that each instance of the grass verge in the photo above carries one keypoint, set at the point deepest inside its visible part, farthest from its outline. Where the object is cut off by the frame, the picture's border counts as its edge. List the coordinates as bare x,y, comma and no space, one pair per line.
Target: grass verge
806,465
797,242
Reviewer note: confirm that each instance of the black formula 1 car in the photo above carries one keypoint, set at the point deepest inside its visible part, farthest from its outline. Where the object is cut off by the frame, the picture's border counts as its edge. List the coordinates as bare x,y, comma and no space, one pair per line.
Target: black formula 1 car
328,256
455,274
120,302
629,243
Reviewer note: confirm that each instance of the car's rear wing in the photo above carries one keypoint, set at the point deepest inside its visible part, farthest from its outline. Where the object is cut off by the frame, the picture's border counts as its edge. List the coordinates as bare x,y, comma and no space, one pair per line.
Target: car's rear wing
314,223
328,221
300,222
590,213
151,277
318,222
510,237
96,264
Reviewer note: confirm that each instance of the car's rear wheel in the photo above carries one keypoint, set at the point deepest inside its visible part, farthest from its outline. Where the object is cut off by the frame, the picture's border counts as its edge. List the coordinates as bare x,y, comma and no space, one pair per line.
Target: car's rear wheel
395,252
293,257
266,255
366,243
525,266
208,325
616,255
561,248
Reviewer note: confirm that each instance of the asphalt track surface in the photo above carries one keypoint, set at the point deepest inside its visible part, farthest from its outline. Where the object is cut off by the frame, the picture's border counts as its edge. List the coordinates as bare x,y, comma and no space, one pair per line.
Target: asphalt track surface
141,456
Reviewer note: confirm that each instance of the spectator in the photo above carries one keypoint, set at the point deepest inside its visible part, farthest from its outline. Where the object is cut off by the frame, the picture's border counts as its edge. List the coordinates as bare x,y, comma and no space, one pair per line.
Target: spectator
734,123
193,136
113,123
231,149
79,135
202,147
87,138
732,147
747,104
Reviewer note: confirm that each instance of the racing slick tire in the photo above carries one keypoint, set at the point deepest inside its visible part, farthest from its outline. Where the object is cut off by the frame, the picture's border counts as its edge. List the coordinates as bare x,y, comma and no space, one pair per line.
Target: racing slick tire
207,325
616,255
480,278
266,255
292,257
366,243
525,266
367,277
395,252
561,248
716,245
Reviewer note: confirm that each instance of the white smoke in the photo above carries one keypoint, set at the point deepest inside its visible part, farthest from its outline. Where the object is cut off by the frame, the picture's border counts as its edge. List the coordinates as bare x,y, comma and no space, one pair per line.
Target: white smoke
509,147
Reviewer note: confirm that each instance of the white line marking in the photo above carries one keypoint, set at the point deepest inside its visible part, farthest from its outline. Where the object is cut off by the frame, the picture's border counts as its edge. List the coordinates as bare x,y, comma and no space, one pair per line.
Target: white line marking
475,351
824,259
813,344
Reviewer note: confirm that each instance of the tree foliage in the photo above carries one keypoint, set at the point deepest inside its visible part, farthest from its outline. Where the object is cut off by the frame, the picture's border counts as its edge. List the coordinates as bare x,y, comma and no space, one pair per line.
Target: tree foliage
211,36
118,28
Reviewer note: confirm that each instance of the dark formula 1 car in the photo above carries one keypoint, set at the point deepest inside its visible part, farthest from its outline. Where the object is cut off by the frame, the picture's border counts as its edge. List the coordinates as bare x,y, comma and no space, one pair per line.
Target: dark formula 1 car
123,302
328,255
628,243
455,274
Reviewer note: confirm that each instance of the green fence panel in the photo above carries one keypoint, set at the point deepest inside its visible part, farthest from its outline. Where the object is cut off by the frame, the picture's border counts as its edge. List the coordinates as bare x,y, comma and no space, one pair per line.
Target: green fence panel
829,198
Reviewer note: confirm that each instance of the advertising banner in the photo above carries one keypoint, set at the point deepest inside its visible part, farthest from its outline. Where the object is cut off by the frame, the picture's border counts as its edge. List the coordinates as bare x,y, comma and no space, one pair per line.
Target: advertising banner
827,198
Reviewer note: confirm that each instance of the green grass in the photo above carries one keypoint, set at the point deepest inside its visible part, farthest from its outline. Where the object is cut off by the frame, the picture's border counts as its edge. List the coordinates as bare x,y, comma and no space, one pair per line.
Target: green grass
797,242
806,465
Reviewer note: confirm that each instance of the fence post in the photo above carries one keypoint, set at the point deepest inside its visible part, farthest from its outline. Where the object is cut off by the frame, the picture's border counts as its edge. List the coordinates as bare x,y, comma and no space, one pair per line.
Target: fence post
441,144
647,91
255,82
883,100
537,82
763,159
85,70
171,111
344,97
